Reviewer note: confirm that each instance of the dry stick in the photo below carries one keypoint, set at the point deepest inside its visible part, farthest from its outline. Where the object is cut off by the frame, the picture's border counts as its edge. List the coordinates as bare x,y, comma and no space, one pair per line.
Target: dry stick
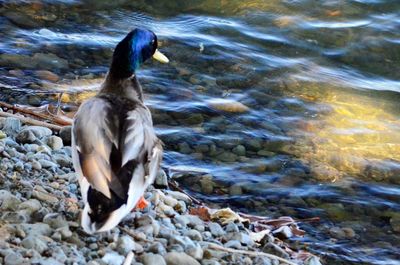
247,252
37,114
31,121
176,187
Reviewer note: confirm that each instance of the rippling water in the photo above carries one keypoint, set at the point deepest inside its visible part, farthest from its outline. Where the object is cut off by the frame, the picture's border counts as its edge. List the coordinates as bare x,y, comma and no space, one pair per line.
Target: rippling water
321,81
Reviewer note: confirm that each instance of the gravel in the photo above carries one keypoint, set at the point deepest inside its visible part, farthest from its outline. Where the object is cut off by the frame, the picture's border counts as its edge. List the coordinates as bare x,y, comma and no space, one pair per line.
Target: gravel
40,206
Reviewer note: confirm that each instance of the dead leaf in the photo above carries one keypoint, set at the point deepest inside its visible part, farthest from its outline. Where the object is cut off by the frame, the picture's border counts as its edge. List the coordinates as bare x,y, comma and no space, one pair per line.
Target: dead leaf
201,212
226,215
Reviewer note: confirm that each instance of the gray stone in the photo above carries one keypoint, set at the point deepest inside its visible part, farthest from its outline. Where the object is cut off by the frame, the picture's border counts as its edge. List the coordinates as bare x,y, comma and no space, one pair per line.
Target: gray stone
38,131
8,201
11,126
227,157
25,137
283,232
55,220
113,258
153,259
19,217
125,245
47,164
275,250
34,242
37,229
179,196
65,134
231,227
49,61
55,142
215,229
262,261
244,238
50,261
207,185
233,244
158,248
194,235
63,160
180,258
13,258
161,179
235,190
239,150
195,252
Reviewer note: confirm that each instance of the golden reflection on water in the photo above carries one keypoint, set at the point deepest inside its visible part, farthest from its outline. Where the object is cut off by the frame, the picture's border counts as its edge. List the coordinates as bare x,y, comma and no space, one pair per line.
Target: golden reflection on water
358,136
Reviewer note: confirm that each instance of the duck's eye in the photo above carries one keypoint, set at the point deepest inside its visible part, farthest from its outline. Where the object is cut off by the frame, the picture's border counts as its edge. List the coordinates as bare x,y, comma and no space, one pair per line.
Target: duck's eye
152,42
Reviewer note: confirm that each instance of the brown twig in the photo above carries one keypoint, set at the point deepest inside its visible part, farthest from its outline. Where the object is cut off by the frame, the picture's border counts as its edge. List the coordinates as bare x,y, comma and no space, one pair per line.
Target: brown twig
31,121
53,118
176,187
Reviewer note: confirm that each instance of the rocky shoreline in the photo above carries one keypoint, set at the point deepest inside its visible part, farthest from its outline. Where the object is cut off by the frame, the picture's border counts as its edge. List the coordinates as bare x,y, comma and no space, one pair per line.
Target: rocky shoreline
40,206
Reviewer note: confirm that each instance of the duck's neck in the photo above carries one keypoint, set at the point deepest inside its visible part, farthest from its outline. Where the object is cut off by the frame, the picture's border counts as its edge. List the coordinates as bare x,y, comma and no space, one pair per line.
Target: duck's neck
123,87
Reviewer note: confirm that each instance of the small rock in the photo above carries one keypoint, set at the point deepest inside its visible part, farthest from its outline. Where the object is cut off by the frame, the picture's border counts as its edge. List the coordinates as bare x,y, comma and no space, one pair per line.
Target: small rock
47,75
55,142
239,150
65,134
8,201
113,258
194,235
11,126
180,258
153,259
349,232
195,252
283,232
231,227
25,137
337,232
38,131
158,248
276,250
42,195
36,229
228,105
161,179
125,245
34,242
233,244
215,229
13,258
30,206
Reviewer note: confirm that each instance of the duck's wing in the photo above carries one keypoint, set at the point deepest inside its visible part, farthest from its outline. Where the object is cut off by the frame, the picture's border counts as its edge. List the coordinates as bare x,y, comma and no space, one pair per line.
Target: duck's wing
111,139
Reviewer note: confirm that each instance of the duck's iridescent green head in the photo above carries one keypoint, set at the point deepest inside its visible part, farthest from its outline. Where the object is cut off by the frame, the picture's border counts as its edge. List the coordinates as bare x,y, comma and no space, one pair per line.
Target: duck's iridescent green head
138,46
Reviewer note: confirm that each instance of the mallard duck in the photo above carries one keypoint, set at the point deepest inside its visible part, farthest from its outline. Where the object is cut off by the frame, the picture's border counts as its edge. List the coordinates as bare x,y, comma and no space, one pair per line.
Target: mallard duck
115,150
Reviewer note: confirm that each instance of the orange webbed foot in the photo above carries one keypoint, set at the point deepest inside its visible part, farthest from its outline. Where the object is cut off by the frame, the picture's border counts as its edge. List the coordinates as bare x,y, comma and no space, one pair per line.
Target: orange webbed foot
142,203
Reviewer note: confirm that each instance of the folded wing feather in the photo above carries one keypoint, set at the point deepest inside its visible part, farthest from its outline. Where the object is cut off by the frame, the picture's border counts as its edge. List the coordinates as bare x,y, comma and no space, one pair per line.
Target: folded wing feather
98,135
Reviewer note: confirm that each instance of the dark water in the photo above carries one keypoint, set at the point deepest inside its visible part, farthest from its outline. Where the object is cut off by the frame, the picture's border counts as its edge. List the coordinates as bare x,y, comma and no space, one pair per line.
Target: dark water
321,81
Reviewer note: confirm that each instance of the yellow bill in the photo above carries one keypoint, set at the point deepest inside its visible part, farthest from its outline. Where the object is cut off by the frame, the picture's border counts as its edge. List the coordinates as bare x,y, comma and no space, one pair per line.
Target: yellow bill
160,57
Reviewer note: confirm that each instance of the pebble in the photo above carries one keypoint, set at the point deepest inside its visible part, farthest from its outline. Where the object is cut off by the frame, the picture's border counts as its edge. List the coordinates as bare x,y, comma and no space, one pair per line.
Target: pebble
34,242
13,258
125,245
215,229
113,258
11,126
180,258
55,142
153,259
47,75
